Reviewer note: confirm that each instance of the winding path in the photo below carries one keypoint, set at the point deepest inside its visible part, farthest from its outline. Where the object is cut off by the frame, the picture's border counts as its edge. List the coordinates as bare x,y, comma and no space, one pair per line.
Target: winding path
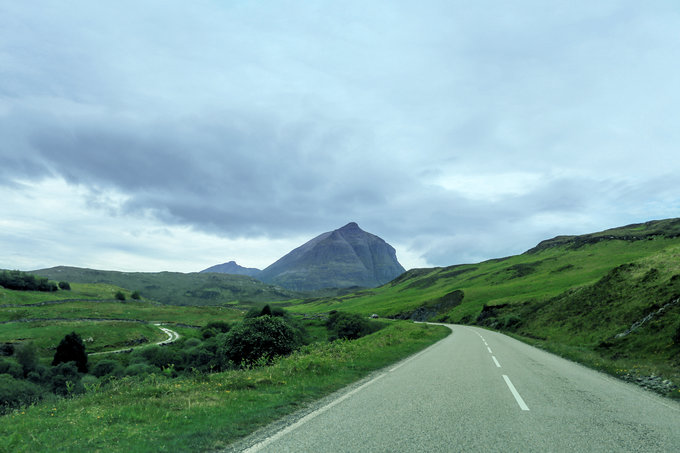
172,337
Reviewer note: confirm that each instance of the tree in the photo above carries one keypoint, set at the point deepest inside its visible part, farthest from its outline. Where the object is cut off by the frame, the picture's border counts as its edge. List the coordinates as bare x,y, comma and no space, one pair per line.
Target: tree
27,356
71,349
66,286
254,338
120,296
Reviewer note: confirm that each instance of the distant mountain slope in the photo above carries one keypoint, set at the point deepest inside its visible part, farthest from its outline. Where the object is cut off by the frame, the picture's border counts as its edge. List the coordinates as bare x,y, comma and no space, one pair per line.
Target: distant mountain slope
234,269
342,258
177,288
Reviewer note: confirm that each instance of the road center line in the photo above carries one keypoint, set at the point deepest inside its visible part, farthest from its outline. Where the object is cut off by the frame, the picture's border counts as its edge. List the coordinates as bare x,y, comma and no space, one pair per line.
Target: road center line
489,350
515,393
495,361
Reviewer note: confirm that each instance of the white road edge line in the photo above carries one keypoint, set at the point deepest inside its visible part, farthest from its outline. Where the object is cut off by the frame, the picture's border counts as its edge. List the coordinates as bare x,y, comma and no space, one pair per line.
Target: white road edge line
260,445
515,393
495,361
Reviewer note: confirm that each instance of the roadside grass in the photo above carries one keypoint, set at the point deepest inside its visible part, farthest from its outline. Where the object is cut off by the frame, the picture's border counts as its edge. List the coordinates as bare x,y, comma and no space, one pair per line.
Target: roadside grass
206,412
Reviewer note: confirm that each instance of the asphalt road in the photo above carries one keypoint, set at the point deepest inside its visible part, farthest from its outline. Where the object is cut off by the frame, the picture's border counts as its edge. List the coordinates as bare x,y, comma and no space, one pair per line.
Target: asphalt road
483,391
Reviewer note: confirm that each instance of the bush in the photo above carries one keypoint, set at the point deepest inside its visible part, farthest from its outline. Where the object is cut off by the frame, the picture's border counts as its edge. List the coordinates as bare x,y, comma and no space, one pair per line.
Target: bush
140,369
66,286
107,367
160,357
135,295
15,393
71,349
254,338
120,296
27,356
214,328
12,368
349,326
66,380
21,281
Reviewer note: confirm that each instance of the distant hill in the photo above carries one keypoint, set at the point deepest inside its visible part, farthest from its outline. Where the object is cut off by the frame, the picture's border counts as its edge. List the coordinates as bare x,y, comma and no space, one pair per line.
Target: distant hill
342,258
177,288
234,269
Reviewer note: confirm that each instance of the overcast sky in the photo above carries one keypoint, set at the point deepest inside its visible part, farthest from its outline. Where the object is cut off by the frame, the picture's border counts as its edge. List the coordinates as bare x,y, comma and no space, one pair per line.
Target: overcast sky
174,135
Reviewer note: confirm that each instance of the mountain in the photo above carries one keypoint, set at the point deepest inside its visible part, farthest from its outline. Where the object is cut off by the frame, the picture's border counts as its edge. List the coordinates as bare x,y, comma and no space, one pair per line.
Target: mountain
234,269
342,258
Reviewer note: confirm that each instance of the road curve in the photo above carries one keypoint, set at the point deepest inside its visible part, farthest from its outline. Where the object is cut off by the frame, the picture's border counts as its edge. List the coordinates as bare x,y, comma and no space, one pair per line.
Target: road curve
478,390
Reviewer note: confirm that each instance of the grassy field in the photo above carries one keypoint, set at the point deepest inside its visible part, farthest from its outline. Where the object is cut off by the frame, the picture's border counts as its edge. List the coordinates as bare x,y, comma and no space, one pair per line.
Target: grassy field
209,411
92,311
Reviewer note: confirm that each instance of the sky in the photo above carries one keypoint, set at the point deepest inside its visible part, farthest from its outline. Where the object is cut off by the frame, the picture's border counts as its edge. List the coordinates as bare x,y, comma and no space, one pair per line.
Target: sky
165,135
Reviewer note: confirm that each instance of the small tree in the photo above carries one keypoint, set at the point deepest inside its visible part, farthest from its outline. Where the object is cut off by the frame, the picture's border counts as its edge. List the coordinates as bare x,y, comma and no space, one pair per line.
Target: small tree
71,349
27,356
66,286
120,296
254,338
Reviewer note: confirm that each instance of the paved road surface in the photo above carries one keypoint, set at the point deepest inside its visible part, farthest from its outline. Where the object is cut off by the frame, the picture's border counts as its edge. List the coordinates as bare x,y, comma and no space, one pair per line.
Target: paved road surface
483,391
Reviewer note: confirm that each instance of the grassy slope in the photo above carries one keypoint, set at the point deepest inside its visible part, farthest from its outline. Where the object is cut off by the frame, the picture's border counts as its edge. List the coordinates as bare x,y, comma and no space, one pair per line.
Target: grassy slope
569,294
93,301
176,288
206,413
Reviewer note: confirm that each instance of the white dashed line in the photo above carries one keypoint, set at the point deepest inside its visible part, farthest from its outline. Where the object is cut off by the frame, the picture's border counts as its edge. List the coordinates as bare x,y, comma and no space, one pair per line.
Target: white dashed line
496,361
515,393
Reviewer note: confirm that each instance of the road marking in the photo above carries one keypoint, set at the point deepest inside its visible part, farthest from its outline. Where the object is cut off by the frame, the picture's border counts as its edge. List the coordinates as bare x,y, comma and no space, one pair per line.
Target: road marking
515,393
489,350
495,361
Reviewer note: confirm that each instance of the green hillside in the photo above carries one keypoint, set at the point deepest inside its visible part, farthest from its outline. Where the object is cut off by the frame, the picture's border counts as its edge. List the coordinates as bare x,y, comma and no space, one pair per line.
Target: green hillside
175,288
570,294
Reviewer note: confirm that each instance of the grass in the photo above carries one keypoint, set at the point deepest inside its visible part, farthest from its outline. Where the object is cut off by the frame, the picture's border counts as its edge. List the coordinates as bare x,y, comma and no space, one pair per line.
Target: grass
206,412
92,311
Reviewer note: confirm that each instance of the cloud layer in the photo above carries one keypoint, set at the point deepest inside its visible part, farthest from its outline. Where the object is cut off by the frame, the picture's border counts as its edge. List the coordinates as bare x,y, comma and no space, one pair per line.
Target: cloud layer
455,131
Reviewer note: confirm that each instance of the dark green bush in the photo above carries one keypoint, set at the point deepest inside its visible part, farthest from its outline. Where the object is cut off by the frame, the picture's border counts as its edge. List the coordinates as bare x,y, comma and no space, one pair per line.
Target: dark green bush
214,328
348,325
66,286
15,393
107,367
66,380
71,349
21,281
139,369
135,295
12,368
254,338
159,356
120,296
27,356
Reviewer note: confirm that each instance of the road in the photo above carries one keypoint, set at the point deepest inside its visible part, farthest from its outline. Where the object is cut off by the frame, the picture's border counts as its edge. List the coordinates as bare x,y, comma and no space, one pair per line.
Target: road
478,390
172,337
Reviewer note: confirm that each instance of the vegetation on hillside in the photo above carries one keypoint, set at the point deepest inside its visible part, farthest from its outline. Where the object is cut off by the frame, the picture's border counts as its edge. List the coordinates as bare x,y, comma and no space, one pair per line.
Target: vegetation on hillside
23,281
175,288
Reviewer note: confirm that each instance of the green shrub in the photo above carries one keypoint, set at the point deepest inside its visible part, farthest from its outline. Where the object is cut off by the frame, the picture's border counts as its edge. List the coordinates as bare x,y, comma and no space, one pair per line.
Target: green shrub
140,369
214,328
159,356
15,393
349,326
12,368
254,338
71,349
66,380
120,296
135,295
27,356
107,367
66,286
